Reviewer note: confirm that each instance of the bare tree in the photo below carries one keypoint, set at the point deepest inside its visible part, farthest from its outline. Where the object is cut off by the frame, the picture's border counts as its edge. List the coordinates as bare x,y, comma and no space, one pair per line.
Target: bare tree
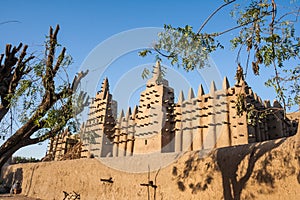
52,109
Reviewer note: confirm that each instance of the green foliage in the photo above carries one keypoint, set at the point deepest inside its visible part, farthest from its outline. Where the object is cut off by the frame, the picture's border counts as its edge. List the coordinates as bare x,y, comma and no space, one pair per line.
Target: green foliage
272,42
52,117
146,72
41,97
24,85
31,93
67,61
240,104
239,75
290,80
255,116
145,52
20,159
184,47
39,68
268,39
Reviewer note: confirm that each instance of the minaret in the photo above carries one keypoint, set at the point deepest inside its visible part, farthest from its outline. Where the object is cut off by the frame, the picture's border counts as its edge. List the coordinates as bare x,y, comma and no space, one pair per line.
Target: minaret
99,129
157,76
154,131
104,89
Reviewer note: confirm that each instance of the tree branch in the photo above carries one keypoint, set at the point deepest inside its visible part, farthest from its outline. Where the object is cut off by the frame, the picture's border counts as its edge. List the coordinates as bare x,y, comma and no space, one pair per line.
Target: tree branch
212,14
48,80
1,58
46,136
239,26
41,119
59,60
11,72
77,79
289,13
19,71
274,9
10,21
164,55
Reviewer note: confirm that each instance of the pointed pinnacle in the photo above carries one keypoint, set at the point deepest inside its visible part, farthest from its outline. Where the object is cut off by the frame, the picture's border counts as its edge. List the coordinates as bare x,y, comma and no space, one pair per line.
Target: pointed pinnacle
276,104
180,97
255,97
213,87
200,91
260,100
191,94
135,111
250,92
157,70
267,103
225,85
105,83
121,115
128,113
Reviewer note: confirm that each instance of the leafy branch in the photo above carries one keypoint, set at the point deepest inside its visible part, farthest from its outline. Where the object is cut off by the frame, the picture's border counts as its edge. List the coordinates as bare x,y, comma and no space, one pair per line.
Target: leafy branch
268,40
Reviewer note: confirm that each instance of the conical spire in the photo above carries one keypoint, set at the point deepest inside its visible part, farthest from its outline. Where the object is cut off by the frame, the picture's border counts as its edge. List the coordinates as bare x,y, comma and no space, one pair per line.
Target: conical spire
255,97
267,103
104,88
157,76
213,87
128,113
121,116
180,97
157,71
105,82
250,92
225,85
134,113
276,104
200,91
259,100
191,94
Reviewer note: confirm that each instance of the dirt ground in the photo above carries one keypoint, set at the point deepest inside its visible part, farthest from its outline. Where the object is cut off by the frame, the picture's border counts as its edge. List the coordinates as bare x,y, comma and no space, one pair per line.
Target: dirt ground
267,171
15,197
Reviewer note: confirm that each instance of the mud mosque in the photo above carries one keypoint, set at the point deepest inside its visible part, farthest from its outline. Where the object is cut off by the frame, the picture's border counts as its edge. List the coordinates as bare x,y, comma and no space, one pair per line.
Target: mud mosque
160,125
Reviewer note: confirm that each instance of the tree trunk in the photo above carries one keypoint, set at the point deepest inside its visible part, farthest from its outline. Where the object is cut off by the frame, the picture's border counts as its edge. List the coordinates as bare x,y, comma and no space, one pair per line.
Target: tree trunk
3,108
5,154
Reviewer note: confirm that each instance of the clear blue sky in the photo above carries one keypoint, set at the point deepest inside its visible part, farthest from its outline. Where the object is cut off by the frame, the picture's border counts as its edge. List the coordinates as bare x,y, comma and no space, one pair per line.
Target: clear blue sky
85,24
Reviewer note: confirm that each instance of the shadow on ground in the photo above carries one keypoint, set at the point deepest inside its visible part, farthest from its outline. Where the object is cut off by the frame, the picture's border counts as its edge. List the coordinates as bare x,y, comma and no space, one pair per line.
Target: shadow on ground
258,161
